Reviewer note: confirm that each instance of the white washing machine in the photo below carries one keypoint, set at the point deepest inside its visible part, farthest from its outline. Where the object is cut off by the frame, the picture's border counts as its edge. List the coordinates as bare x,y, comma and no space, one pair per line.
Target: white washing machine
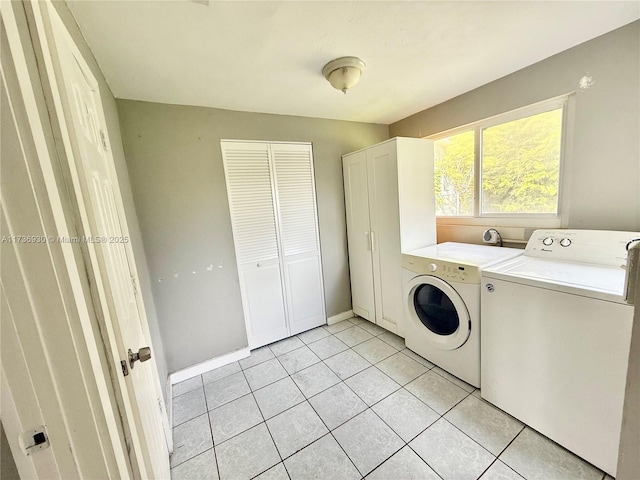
556,334
442,303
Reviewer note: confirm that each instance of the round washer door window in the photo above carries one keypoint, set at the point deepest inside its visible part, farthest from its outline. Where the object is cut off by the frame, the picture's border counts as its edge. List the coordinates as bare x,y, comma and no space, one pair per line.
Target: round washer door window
440,310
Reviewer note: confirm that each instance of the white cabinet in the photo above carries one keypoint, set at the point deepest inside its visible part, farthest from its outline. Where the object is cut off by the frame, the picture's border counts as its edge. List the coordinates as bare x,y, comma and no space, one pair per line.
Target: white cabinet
272,201
390,208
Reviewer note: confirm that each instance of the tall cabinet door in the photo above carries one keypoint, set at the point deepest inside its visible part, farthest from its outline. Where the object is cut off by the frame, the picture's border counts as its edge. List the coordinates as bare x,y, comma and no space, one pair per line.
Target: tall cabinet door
358,234
385,231
299,239
253,220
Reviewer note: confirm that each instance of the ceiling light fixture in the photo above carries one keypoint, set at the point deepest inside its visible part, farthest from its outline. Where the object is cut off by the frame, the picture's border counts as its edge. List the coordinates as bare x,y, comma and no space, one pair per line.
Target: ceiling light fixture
344,72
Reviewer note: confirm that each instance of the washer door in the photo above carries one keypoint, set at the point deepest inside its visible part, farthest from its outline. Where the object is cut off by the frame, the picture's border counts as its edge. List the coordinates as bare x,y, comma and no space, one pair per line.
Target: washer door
438,307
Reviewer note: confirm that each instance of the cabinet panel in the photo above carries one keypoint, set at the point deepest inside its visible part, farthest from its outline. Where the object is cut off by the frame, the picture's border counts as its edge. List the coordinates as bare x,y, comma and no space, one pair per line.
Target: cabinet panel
389,198
358,236
385,225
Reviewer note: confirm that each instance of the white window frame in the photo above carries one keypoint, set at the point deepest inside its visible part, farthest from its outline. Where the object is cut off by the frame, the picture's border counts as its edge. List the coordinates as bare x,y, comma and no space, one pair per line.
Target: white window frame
540,220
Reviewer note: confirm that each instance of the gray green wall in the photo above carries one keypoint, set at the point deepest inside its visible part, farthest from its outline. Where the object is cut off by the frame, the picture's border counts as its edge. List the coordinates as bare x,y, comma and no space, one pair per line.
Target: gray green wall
604,169
113,127
177,176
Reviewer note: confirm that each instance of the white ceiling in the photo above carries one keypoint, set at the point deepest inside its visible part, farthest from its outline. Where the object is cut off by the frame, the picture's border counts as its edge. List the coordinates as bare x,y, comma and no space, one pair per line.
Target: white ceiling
266,56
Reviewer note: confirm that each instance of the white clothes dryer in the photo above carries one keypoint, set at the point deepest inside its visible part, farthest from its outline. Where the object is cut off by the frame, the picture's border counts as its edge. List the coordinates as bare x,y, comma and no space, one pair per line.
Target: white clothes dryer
442,303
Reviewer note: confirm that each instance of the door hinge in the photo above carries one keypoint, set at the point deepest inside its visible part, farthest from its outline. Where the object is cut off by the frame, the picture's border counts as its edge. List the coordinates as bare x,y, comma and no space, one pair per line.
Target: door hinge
103,138
134,284
125,368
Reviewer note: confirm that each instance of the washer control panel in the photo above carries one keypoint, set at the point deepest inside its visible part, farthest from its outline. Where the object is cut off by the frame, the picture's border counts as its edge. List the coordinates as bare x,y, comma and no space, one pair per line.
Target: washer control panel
600,247
449,271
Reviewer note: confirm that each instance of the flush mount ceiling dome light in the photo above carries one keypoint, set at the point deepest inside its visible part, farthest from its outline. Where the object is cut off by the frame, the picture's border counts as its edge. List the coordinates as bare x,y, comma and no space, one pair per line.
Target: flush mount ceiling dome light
344,72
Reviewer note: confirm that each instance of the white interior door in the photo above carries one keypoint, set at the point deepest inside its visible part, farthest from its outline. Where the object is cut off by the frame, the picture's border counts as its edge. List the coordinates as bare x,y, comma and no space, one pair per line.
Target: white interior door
359,234
253,220
298,226
100,204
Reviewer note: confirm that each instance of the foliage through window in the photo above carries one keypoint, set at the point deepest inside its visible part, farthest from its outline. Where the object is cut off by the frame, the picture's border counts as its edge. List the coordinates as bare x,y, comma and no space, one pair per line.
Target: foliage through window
517,163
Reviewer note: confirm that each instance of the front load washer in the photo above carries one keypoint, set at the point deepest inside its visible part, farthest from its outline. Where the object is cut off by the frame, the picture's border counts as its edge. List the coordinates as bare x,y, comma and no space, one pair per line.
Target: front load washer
442,303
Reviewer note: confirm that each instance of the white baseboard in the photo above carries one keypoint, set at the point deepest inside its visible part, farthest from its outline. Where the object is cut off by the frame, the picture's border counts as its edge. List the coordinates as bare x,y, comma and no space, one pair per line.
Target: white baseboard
340,317
200,368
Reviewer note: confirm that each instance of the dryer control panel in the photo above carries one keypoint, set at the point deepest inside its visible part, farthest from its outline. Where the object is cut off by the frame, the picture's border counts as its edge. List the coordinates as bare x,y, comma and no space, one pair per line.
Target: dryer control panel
449,271
598,247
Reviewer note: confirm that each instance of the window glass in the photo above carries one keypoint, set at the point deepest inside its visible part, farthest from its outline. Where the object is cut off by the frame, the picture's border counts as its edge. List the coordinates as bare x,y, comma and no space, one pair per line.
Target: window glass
520,165
454,174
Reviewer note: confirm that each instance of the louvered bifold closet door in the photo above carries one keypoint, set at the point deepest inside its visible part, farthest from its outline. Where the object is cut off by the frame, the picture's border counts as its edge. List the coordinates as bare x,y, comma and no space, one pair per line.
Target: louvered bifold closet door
298,221
253,219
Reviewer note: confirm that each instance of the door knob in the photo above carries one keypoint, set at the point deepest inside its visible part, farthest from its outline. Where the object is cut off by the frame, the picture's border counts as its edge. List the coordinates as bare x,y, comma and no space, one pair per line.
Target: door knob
143,355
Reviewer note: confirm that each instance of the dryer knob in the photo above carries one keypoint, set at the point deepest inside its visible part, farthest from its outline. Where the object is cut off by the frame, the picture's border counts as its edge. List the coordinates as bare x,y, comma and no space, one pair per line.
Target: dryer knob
433,267
547,241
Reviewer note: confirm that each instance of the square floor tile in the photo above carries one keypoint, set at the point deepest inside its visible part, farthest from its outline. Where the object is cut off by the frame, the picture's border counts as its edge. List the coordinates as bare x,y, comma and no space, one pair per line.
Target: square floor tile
371,385
535,457
372,328
338,327
353,336
314,335
274,473
248,454
414,356
347,363
451,453
186,386
188,405
499,471
374,350
314,379
404,465
225,390
487,425
401,368
257,356
220,372
285,346
322,460
327,347
200,467
357,320
392,339
437,392
190,439
337,404
367,440
278,397
405,414
453,379
233,418
265,373
296,428
298,359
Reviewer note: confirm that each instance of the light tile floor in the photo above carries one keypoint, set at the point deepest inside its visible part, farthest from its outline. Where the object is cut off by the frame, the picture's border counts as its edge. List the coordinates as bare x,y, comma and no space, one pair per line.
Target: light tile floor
348,401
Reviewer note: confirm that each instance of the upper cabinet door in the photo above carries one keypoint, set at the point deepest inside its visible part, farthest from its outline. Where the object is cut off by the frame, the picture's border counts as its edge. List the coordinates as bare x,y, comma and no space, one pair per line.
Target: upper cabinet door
356,193
253,219
299,236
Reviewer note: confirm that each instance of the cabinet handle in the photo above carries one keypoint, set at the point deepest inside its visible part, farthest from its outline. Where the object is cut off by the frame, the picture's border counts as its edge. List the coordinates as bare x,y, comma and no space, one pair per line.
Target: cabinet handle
373,243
